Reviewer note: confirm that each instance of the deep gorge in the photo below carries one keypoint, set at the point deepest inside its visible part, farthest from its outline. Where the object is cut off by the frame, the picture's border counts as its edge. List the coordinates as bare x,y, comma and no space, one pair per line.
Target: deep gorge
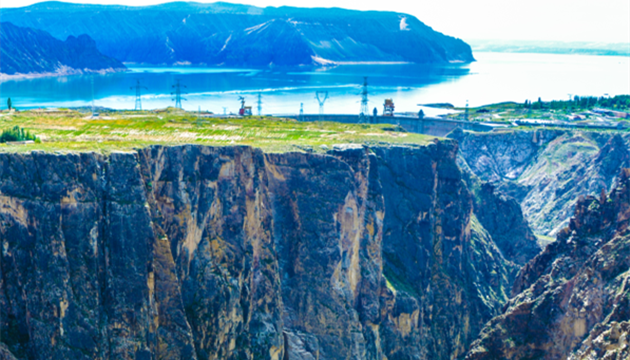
386,252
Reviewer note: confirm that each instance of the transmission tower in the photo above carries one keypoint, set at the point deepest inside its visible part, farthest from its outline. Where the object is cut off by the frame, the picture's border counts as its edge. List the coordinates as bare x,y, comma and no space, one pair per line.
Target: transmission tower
364,98
321,97
259,104
178,94
138,88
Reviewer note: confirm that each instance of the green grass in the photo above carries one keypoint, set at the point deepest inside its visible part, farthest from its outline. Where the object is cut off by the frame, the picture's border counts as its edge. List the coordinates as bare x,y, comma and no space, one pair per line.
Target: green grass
544,240
569,150
123,131
510,111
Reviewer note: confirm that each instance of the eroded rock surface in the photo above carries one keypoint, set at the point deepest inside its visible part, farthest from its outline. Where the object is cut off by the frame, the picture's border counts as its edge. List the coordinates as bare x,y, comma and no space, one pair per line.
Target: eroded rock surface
572,300
546,171
196,252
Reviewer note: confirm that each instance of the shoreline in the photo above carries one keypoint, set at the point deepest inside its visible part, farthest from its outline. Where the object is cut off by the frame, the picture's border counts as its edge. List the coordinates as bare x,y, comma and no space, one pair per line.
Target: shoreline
64,71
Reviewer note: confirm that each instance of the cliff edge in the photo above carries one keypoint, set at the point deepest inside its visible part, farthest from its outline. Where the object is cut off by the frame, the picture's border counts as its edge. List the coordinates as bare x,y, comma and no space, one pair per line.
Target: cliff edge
196,252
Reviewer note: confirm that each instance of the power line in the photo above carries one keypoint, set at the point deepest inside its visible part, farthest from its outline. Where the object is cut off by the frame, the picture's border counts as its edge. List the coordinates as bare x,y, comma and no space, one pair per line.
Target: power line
138,88
178,94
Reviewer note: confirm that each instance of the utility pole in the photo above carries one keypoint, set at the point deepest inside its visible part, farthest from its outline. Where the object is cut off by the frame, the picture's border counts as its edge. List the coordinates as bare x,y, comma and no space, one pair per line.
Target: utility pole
178,94
466,113
138,88
92,83
321,97
259,104
364,98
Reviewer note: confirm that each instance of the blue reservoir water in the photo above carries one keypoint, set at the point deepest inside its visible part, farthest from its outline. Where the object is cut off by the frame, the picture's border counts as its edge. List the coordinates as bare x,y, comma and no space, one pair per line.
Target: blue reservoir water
495,77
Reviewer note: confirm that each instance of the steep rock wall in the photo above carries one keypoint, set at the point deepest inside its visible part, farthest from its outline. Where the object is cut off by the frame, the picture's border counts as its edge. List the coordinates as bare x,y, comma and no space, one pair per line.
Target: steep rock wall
196,252
546,171
572,300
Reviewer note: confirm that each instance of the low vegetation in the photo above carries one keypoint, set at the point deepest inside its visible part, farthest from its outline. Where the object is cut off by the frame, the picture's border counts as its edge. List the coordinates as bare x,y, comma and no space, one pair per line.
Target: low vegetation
62,130
16,134
579,110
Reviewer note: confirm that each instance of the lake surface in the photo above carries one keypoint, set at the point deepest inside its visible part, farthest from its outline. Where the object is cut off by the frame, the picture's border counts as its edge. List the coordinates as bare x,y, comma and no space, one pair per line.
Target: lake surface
495,77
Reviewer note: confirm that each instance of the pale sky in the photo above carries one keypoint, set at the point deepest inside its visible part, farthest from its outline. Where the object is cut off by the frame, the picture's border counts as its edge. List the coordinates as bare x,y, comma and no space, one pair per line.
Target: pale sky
551,20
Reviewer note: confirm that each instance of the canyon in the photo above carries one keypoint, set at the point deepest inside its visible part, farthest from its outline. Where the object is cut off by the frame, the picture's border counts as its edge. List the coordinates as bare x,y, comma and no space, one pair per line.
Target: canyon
229,253
360,252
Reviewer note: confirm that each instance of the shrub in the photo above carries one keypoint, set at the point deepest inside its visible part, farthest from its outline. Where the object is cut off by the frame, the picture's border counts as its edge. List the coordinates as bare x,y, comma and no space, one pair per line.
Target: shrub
16,134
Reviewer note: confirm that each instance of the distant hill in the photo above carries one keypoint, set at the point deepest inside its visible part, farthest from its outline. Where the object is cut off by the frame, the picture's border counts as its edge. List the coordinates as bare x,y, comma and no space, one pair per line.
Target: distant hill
552,47
26,51
240,35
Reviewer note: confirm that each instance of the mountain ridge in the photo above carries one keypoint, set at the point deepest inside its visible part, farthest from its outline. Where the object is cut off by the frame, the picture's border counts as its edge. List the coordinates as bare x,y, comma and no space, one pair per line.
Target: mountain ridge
216,34
32,52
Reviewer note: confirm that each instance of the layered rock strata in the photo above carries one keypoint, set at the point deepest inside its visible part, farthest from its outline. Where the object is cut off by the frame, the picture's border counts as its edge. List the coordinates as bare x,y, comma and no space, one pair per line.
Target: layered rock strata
571,301
546,171
197,252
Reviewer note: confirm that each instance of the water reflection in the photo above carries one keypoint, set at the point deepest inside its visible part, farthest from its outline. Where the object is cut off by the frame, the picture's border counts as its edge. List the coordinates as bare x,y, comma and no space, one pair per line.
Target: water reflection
495,77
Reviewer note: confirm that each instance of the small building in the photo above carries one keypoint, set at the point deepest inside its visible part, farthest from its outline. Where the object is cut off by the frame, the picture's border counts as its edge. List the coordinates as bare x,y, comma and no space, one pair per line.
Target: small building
388,107
245,111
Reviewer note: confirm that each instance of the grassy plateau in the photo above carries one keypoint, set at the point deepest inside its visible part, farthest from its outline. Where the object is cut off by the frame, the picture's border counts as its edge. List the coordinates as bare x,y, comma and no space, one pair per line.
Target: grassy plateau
69,130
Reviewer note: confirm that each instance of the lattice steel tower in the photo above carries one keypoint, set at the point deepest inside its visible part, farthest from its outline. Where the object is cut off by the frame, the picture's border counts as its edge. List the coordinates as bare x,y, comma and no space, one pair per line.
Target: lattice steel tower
178,94
364,98
321,97
138,88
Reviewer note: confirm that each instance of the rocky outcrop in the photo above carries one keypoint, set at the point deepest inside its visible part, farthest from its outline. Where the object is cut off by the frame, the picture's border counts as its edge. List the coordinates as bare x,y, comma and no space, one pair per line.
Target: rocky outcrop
501,216
433,257
33,52
546,171
571,301
196,252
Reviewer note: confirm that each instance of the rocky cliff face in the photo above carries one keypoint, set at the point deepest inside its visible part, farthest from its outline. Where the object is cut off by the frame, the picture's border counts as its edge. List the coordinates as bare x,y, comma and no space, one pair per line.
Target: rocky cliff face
30,51
572,300
502,218
197,252
546,171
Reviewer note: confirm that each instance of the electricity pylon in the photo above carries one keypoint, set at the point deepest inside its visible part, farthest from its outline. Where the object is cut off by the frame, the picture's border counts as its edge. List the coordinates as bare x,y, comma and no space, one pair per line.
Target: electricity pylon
138,88
364,98
178,94
321,97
